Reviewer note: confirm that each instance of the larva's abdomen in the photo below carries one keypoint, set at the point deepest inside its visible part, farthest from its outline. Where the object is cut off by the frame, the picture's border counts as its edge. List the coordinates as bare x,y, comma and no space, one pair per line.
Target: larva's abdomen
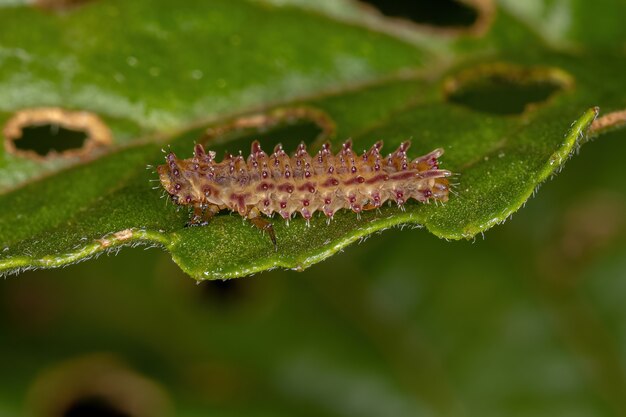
283,184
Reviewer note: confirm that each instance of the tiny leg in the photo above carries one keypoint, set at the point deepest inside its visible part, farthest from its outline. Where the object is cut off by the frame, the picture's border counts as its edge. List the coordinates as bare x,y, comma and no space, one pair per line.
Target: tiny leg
261,223
202,214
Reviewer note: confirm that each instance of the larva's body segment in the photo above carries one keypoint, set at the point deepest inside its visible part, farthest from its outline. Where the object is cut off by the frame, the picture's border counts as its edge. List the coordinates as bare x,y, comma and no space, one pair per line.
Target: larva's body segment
283,184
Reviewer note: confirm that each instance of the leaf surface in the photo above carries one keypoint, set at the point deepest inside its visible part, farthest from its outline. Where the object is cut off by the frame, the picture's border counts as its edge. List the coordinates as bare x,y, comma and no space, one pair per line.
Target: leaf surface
161,76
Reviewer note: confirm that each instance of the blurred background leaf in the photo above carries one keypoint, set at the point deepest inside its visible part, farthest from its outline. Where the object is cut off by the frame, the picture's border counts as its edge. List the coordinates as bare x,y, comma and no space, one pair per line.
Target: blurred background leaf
527,321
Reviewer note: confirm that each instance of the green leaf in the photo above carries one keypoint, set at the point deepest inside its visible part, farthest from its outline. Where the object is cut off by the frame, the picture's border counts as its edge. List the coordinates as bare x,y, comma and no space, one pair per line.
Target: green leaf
159,76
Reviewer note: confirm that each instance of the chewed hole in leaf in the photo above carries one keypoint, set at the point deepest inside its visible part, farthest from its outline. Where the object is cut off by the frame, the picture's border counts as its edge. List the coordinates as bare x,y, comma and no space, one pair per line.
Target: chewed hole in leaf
49,138
93,406
505,89
502,96
96,386
289,127
440,13
50,132
288,135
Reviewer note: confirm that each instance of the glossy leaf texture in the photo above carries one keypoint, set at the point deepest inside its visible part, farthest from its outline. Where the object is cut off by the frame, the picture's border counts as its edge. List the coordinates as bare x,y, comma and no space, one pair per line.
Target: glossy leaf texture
509,105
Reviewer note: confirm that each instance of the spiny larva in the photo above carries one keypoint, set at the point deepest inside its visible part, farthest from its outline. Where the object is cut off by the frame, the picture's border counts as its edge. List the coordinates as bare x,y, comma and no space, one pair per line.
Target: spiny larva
283,184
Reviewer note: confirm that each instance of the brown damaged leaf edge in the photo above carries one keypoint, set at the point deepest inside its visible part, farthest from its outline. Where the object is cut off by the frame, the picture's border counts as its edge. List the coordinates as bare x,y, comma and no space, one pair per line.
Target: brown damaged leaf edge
400,27
471,78
117,238
97,133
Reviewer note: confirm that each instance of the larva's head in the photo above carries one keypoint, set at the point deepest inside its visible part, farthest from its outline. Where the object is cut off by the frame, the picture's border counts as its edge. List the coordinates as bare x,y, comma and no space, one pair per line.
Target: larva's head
174,182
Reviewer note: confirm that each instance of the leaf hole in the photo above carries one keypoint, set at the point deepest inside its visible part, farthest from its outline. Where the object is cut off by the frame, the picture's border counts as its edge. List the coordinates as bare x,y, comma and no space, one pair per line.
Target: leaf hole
96,386
288,126
445,17
289,136
93,406
440,13
51,132
504,89
50,138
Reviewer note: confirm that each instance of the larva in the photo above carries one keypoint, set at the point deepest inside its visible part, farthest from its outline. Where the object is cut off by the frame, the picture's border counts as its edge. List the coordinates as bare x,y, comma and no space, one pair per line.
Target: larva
283,184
